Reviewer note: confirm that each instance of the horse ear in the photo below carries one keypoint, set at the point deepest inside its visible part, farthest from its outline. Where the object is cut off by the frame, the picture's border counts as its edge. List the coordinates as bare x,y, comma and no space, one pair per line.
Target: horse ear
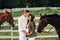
6,11
40,14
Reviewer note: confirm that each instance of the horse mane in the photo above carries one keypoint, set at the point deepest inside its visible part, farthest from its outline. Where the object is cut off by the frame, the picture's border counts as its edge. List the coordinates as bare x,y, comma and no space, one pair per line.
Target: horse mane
53,15
9,13
2,14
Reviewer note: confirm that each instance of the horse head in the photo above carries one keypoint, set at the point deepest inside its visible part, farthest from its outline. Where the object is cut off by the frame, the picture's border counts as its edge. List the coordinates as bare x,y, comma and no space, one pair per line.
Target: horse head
9,18
42,23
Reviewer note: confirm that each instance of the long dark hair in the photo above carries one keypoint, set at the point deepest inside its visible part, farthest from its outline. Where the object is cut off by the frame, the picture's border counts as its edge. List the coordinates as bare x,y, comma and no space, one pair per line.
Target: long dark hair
32,19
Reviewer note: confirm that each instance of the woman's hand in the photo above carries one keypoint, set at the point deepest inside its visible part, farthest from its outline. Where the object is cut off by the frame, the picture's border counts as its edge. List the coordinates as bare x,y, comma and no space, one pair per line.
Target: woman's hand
23,31
27,33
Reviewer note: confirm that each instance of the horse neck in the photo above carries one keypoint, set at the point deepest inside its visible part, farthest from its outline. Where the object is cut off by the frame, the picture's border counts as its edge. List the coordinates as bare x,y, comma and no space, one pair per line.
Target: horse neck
1,14
55,22
2,18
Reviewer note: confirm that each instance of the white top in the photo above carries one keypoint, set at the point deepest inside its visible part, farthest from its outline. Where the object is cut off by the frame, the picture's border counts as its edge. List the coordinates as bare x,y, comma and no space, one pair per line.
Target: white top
27,30
22,23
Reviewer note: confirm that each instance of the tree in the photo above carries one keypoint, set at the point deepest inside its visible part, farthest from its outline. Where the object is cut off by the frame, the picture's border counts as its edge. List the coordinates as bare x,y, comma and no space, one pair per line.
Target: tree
9,4
29,3
55,3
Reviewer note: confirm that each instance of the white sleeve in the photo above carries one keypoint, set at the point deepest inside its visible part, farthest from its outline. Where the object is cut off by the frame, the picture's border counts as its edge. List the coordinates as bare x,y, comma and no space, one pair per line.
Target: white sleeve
20,27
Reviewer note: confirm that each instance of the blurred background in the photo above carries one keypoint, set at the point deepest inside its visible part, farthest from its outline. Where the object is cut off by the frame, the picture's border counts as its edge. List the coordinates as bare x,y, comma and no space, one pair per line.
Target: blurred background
36,7
28,3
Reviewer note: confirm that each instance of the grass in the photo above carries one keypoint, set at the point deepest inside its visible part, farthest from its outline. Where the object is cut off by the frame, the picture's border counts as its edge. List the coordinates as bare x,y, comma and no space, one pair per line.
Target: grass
5,39
46,33
8,28
5,33
38,34
8,39
36,39
16,33
46,38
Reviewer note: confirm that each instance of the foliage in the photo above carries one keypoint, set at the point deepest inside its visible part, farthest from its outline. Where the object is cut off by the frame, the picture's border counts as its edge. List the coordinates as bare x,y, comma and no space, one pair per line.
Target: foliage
29,3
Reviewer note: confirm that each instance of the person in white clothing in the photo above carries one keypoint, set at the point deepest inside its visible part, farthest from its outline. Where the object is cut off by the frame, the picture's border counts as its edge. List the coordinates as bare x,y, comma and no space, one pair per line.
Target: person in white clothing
22,23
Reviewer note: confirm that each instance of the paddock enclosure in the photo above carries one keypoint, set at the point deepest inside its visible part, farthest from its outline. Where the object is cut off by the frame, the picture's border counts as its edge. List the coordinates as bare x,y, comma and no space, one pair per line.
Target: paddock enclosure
10,33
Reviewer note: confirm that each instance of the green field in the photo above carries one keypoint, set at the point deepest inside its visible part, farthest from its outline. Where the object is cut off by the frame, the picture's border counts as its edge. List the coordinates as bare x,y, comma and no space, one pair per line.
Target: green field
46,38
36,13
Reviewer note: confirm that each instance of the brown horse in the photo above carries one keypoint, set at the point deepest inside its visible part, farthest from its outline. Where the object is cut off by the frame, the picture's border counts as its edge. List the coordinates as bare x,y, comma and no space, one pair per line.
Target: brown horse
7,16
54,20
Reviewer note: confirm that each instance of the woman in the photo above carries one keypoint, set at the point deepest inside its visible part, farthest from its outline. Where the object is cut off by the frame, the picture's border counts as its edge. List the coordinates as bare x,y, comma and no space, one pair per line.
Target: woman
30,31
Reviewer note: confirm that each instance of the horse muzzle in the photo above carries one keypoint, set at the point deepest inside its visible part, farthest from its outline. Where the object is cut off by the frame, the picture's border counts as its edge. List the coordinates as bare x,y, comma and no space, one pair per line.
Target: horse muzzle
39,31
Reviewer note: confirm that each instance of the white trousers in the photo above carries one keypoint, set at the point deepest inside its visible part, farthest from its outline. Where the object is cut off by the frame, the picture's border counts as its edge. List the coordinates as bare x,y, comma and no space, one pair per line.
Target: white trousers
32,38
22,36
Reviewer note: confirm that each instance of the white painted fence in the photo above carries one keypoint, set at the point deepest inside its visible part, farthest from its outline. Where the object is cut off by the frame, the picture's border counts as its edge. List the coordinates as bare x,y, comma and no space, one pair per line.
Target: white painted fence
12,37
34,8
